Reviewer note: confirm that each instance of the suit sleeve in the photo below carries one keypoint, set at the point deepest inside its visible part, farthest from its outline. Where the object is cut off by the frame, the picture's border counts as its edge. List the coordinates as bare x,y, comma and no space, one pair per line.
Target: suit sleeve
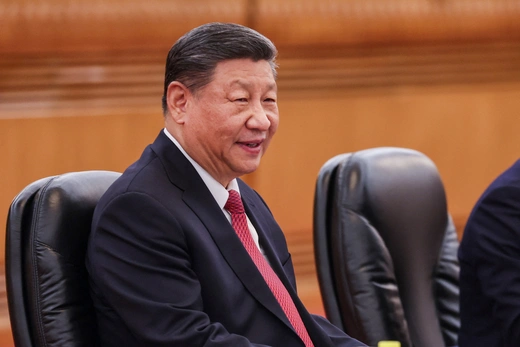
142,269
497,222
338,337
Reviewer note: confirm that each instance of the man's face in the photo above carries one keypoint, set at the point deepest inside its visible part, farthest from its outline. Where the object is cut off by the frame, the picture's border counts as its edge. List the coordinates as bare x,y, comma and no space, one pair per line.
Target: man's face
229,122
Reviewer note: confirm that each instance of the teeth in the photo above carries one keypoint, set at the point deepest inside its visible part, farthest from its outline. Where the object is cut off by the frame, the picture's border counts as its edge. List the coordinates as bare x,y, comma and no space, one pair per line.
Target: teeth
252,145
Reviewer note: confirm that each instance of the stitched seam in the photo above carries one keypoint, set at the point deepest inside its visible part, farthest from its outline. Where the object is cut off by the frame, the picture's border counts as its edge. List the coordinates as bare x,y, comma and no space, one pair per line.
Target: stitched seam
340,194
39,327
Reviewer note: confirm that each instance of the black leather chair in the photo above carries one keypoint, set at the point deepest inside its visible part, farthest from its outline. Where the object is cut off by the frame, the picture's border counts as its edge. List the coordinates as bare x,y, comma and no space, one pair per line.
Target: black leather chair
47,285
386,248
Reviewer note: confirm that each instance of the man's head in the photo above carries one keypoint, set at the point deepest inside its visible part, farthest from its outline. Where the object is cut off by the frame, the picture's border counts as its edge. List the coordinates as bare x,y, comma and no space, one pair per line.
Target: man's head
221,98
193,58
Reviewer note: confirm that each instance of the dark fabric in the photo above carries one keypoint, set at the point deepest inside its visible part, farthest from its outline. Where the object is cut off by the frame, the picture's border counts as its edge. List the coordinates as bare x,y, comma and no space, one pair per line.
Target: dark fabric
387,247
167,268
47,286
490,266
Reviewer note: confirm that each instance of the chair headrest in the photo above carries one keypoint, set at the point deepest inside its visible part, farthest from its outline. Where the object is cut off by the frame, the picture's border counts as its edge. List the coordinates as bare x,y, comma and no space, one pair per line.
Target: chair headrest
47,283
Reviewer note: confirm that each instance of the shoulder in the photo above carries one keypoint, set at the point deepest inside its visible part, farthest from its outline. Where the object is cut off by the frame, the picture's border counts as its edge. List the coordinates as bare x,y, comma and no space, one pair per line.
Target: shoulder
510,178
146,179
504,191
495,218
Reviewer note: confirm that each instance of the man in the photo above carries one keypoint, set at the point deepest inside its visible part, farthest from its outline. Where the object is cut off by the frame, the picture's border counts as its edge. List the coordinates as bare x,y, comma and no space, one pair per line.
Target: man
172,261
489,256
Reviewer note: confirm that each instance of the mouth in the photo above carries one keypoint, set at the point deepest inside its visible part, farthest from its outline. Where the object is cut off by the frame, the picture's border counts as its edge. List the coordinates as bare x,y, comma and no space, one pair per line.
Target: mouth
251,144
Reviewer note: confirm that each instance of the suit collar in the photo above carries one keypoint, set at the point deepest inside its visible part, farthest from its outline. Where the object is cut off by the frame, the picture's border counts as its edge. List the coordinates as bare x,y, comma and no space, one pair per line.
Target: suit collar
178,169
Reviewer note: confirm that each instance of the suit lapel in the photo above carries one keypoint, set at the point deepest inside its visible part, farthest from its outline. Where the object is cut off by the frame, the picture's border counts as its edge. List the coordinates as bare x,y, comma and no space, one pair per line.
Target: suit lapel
261,223
262,220
264,224
232,249
196,195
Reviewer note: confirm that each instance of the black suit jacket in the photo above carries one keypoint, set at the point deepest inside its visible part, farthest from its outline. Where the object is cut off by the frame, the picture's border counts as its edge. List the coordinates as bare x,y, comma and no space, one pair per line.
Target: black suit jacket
489,257
167,268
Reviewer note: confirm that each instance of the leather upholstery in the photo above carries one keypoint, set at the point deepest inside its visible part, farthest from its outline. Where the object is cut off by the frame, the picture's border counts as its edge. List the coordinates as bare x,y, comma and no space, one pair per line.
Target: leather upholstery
47,285
386,248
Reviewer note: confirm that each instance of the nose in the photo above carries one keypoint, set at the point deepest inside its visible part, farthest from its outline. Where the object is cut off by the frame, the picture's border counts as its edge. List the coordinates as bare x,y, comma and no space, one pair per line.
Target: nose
259,119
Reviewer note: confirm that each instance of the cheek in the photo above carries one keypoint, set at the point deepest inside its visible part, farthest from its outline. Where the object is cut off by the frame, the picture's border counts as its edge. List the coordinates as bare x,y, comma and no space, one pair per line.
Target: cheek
224,118
275,120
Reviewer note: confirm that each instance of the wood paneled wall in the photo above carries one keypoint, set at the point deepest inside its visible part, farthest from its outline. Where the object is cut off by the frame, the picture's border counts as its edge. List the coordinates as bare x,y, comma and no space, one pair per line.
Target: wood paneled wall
81,83
118,25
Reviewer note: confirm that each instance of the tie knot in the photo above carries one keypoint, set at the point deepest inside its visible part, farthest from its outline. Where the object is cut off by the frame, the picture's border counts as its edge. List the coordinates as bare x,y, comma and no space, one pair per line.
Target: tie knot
234,203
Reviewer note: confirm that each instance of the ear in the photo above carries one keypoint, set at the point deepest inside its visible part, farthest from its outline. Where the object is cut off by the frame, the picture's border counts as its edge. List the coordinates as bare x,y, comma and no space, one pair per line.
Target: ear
176,99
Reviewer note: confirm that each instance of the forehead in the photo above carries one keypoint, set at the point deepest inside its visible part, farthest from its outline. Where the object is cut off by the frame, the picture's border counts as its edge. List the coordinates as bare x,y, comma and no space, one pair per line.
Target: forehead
244,71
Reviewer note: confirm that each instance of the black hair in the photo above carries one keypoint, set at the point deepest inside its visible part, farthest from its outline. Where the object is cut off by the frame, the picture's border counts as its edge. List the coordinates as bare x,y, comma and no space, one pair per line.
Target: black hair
193,58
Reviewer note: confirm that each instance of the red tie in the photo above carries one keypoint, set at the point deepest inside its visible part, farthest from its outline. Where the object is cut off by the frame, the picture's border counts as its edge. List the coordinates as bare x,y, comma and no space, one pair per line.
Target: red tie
238,220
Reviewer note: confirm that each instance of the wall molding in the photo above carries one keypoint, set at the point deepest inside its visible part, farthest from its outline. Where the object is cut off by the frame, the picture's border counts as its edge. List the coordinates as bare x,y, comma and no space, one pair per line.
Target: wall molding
369,22
131,83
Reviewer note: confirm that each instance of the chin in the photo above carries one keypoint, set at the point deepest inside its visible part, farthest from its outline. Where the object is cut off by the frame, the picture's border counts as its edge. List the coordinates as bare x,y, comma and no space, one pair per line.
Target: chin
248,169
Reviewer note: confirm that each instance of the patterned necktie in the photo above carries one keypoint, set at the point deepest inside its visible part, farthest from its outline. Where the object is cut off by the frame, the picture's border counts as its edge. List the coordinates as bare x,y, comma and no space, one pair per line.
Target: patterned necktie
239,221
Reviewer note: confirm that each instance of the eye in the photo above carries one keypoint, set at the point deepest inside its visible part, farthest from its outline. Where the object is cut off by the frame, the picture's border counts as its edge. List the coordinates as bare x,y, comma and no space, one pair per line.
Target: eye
241,99
270,100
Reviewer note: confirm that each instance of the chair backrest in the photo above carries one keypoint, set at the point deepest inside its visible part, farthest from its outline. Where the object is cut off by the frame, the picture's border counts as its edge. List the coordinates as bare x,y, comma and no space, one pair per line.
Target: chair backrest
46,238
386,248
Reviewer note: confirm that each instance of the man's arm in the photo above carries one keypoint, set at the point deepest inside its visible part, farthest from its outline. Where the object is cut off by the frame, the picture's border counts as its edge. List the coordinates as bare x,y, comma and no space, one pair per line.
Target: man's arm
498,264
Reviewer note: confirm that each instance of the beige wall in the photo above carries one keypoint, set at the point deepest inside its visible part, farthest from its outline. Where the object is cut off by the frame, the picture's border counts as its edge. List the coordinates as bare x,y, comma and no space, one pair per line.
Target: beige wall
80,88
469,130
